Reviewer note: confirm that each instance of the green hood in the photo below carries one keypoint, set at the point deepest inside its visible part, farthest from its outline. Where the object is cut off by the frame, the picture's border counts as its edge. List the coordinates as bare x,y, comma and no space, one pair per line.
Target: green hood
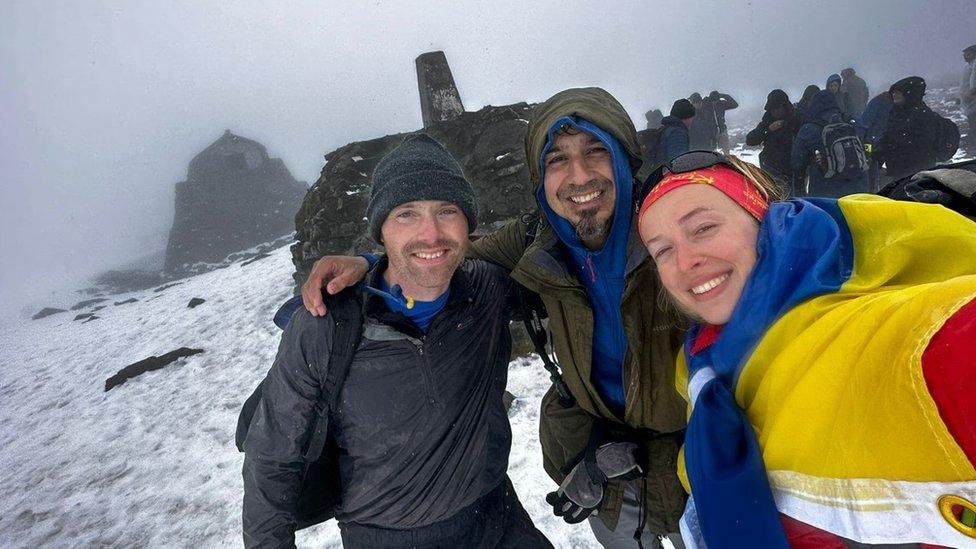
592,104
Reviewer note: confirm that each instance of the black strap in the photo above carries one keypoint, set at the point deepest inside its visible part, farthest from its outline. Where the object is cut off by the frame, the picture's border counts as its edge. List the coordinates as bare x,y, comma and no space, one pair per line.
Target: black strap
346,311
533,311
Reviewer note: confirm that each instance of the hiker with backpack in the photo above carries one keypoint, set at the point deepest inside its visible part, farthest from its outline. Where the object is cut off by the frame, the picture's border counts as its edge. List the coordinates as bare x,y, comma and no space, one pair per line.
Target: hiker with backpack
613,341
672,138
775,132
828,156
915,138
413,420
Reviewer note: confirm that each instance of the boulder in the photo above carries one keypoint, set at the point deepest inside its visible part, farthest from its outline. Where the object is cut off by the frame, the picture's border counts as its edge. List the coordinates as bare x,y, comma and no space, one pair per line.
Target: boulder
46,311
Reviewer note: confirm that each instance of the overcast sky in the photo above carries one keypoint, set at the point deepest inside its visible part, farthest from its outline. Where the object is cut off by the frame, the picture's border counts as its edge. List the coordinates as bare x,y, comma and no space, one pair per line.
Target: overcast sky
103,104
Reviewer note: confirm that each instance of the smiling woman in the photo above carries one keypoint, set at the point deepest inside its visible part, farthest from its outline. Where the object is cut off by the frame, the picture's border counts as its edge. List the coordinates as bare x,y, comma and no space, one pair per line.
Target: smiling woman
829,371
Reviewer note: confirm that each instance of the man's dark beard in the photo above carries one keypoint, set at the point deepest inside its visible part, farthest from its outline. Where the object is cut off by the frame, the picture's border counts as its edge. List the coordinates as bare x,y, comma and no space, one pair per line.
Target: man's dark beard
589,227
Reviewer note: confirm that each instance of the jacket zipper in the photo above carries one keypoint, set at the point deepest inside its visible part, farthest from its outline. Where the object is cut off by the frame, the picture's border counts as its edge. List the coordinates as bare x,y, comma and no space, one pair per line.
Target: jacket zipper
425,369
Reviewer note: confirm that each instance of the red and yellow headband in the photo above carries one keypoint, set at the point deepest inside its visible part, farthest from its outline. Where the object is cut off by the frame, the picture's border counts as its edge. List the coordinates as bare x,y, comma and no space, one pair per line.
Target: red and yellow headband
732,183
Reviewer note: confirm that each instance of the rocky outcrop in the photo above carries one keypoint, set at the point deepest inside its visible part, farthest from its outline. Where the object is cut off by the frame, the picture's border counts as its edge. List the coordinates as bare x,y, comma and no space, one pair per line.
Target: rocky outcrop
235,196
487,143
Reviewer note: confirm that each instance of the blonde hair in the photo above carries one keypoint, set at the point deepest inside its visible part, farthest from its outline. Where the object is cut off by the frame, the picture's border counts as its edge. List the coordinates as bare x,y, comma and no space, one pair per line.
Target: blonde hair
771,189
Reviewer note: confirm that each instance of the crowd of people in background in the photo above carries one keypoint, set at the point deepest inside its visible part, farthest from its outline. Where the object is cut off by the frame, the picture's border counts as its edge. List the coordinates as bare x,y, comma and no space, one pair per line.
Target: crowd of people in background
833,141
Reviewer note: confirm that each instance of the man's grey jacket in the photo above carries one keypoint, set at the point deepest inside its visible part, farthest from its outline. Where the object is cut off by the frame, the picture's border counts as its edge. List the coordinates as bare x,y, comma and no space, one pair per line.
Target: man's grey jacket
421,425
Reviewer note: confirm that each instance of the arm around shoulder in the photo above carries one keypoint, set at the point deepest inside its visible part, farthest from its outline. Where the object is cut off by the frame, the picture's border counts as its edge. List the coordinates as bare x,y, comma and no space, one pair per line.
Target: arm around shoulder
504,247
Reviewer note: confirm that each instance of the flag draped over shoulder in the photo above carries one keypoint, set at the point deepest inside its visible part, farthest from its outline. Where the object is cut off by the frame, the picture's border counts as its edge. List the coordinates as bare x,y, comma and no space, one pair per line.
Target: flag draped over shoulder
812,402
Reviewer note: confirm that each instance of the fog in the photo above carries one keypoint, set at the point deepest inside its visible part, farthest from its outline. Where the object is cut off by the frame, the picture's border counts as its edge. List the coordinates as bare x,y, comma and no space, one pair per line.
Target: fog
102,105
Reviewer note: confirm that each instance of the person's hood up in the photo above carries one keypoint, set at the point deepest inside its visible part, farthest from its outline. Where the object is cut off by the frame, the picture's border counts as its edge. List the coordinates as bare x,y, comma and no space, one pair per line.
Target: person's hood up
594,105
823,106
808,94
623,176
672,121
777,98
970,49
695,97
833,78
913,88
847,73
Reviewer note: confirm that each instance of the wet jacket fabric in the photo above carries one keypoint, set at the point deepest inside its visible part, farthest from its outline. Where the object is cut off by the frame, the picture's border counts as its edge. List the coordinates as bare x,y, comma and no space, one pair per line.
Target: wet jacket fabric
724,102
908,144
823,110
674,140
413,407
777,145
704,130
874,119
856,91
653,411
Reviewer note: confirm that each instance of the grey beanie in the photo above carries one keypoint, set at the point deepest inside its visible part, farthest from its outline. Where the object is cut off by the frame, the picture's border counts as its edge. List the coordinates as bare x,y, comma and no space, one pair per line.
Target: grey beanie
419,168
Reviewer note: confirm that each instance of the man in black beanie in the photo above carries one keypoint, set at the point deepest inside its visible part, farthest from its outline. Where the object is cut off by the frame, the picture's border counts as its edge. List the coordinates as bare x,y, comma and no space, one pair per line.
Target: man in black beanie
421,427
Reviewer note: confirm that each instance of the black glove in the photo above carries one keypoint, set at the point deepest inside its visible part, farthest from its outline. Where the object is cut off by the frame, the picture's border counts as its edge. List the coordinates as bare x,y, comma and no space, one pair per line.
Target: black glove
581,492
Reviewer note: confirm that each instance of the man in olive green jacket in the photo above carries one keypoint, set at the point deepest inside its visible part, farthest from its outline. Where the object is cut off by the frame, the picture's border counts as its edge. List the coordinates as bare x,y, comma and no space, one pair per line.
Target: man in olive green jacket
614,342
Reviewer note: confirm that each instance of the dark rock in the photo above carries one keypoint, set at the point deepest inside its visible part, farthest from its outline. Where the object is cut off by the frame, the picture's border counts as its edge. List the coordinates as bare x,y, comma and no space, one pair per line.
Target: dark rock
83,316
253,259
148,365
166,287
195,301
507,400
92,317
235,196
98,308
487,143
87,302
127,301
46,311
121,281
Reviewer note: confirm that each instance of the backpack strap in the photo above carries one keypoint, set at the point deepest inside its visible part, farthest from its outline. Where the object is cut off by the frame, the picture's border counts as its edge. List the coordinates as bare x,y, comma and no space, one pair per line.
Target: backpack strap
347,313
533,311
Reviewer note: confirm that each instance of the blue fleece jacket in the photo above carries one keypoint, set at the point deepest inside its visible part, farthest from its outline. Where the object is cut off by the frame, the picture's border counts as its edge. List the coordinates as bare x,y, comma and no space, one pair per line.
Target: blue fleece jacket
602,271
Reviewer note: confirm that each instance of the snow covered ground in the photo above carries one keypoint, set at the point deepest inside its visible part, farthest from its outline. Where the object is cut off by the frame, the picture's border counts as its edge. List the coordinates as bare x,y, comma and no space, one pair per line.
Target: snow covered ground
152,463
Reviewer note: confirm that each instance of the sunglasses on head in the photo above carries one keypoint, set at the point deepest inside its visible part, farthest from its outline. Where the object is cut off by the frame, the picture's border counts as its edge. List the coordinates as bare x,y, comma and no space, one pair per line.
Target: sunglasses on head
696,160
684,162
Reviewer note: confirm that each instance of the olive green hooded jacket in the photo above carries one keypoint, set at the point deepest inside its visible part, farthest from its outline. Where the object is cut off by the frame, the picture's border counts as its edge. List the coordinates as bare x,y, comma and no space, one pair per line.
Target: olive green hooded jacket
654,414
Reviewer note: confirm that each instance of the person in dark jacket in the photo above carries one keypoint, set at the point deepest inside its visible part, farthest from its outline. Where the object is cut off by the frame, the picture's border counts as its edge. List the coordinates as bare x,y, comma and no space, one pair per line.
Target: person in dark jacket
421,426
674,139
704,129
722,102
653,118
908,144
804,103
807,154
872,124
856,90
843,103
775,132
